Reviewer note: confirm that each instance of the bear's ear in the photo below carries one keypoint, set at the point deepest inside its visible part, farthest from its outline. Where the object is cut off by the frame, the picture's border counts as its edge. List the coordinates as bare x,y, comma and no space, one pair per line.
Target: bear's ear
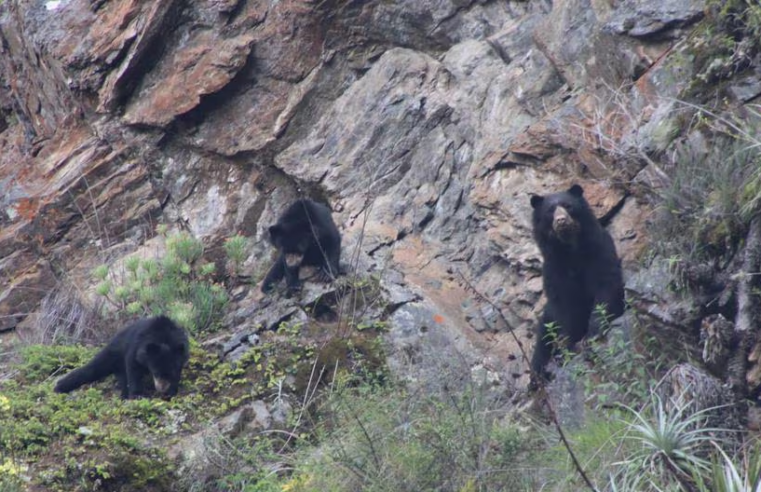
576,190
536,200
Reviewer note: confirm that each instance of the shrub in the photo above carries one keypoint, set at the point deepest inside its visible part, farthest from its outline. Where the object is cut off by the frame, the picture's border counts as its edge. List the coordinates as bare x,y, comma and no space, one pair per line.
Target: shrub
82,438
712,192
180,285
388,439
235,249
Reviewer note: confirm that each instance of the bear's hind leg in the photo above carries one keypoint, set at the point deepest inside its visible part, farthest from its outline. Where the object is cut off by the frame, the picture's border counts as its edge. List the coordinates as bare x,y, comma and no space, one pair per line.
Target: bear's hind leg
101,366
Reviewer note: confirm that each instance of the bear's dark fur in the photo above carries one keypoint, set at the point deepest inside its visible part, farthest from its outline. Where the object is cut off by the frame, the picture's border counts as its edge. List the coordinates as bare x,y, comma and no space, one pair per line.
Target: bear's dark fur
304,235
155,346
581,271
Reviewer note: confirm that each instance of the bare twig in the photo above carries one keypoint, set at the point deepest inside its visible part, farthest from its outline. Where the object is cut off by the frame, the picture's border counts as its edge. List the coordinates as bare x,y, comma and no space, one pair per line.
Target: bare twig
309,395
543,395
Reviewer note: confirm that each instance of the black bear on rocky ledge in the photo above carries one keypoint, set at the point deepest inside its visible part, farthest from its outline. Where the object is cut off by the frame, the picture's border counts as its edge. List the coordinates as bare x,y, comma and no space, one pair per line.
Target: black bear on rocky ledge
581,271
155,346
304,235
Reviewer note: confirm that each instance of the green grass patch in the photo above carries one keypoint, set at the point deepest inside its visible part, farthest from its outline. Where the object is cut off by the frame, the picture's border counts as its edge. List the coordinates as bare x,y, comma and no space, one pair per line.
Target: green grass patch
598,444
381,438
91,438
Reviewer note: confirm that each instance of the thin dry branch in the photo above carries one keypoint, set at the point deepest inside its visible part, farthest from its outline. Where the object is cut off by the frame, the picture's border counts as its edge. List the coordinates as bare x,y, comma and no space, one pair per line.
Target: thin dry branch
542,388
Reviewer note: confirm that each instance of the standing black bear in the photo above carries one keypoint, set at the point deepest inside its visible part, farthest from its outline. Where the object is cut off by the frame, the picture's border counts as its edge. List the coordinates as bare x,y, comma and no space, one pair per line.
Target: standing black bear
304,235
581,271
152,345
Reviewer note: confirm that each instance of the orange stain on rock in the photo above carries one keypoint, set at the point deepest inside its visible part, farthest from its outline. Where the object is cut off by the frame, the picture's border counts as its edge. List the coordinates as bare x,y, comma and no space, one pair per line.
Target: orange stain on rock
27,208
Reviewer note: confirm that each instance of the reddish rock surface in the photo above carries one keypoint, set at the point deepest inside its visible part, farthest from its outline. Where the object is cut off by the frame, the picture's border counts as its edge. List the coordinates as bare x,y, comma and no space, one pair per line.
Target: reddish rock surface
426,125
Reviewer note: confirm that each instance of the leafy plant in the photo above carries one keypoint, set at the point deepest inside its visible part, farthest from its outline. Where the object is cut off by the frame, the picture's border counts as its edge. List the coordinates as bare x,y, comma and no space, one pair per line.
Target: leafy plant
742,475
36,423
741,18
598,444
11,474
671,442
235,248
705,210
178,284
620,367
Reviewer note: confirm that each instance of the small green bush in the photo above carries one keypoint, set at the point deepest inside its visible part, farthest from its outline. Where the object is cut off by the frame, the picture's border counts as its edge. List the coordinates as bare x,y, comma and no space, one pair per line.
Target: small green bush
180,285
620,367
235,248
705,211
740,18
598,444
73,442
11,474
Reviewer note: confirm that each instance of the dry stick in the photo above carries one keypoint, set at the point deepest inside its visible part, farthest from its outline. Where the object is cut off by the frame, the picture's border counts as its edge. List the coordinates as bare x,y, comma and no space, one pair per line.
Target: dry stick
542,388
308,397
355,264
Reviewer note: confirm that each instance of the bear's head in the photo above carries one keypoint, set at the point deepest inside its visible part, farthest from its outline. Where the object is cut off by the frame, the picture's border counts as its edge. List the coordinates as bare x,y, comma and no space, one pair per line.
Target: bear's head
278,235
560,217
292,243
165,362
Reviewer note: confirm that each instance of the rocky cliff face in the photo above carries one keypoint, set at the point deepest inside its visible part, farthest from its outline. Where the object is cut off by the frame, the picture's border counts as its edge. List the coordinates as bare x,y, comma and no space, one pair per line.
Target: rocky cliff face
426,124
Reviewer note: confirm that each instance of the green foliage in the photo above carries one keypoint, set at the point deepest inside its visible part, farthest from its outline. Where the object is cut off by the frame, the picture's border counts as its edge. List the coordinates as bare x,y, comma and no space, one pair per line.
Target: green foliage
740,475
40,361
11,474
621,367
740,18
670,444
70,442
669,438
235,249
726,45
615,366
245,461
40,427
553,337
705,210
663,447
100,272
179,285
598,444
387,439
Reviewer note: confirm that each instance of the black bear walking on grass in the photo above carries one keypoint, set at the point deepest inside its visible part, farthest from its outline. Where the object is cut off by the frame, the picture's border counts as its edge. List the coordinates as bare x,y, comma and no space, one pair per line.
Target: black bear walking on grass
155,346
304,235
581,274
